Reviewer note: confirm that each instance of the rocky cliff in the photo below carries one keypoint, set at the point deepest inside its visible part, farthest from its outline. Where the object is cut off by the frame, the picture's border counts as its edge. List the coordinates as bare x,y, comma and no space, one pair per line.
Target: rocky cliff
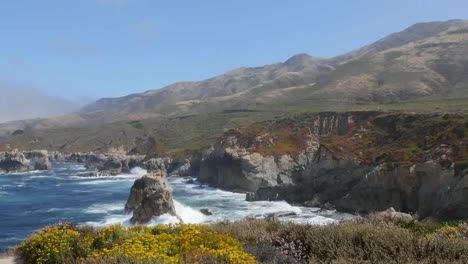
354,161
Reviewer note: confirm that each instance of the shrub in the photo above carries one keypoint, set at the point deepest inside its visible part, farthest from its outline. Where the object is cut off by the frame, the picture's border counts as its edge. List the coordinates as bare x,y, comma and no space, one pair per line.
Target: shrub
50,245
140,244
370,240
187,246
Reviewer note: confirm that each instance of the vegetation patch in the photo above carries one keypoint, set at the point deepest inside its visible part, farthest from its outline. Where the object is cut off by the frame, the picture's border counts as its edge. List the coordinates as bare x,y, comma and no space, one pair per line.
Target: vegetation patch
67,243
375,239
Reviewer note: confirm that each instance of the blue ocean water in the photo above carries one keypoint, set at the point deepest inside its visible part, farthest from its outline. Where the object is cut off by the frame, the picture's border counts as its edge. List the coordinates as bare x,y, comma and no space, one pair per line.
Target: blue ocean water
30,201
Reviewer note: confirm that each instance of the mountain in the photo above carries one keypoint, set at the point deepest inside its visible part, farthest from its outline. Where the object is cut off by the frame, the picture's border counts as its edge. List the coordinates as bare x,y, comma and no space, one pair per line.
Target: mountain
424,59
414,33
427,61
228,89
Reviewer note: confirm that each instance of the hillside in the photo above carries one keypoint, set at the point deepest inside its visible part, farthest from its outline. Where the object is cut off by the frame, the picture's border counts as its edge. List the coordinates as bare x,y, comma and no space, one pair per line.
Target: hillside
425,59
427,62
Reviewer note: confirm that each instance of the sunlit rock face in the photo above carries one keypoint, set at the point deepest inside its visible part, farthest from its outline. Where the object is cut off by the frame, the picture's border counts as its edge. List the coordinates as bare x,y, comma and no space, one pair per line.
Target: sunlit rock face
150,197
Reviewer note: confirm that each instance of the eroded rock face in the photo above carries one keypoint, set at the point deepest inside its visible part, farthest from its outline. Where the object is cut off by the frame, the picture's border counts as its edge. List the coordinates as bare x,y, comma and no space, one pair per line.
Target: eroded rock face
150,196
182,168
231,167
40,158
429,184
105,164
11,162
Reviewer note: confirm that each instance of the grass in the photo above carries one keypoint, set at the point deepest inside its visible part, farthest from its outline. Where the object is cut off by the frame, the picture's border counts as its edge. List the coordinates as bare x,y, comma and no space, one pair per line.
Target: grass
375,239
177,135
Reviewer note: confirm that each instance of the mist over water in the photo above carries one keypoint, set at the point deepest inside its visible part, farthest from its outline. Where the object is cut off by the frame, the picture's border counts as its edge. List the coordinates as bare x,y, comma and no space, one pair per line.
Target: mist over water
29,201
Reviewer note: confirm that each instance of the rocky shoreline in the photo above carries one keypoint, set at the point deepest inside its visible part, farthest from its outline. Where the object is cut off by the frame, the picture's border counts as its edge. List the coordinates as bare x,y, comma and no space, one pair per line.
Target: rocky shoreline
431,182
16,162
354,161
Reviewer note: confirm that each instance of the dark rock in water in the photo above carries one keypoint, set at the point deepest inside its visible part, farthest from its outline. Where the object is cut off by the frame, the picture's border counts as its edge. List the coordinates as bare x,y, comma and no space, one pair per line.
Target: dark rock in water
189,180
57,156
206,211
88,174
42,165
116,164
150,197
94,161
11,162
40,158
111,167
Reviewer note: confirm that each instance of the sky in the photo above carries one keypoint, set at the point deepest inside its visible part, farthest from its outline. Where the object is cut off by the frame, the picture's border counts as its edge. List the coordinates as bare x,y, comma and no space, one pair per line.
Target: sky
87,49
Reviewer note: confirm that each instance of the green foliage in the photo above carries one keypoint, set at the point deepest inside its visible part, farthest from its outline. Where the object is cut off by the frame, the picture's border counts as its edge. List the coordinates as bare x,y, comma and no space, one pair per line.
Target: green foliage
370,240
363,241
67,243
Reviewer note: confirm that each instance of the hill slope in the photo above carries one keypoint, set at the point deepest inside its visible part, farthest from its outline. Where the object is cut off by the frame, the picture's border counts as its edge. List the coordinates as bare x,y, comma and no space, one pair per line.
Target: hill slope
405,70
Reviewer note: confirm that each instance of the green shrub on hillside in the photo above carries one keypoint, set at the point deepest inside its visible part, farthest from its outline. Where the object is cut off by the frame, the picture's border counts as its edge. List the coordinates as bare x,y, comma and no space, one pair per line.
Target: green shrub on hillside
371,240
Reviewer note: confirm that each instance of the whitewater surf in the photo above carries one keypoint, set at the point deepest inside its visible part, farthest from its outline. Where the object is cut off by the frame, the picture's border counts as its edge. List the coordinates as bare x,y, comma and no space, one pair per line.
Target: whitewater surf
32,200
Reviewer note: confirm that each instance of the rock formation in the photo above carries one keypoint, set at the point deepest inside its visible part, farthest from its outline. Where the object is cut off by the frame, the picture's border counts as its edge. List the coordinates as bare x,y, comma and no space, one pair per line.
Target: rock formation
12,162
150,196
355,161
40,158
108,164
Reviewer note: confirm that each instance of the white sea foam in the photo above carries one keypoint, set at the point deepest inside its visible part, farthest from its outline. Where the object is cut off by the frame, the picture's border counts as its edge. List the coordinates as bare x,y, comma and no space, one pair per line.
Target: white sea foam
25,172
137,171
116,177
59,209
105,181
105,208
189,214
224,205
45,177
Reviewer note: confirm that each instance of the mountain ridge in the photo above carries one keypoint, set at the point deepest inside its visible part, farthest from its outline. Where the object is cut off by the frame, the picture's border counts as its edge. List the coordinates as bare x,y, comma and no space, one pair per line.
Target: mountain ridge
300,69
422,60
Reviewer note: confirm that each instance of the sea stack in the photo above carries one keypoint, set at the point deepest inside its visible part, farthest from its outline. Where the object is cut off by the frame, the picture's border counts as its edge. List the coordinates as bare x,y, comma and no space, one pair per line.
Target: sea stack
11,162
150,197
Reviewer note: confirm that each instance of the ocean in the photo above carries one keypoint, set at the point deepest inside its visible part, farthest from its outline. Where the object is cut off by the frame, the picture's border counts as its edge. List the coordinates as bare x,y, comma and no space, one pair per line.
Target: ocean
30,201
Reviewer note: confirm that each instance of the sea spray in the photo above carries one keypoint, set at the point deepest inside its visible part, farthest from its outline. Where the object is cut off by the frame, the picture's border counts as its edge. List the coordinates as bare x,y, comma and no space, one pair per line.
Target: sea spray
100,201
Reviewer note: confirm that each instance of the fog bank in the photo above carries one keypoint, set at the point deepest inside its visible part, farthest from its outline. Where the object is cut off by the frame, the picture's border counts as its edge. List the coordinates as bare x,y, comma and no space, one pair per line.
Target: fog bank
19,102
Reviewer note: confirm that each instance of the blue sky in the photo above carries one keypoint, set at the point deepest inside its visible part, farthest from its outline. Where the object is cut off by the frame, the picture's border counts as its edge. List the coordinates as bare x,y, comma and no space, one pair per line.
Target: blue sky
108,48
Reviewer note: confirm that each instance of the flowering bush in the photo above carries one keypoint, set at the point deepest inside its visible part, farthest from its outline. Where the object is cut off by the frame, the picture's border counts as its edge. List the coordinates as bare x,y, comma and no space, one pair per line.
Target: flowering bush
190,245
50,245
367,240
118,244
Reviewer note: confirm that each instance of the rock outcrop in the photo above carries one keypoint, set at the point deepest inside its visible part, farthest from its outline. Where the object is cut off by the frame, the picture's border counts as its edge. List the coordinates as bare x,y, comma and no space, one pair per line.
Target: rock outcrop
182,167
40,158
13,162
392,214
356,162
150,196
108,164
